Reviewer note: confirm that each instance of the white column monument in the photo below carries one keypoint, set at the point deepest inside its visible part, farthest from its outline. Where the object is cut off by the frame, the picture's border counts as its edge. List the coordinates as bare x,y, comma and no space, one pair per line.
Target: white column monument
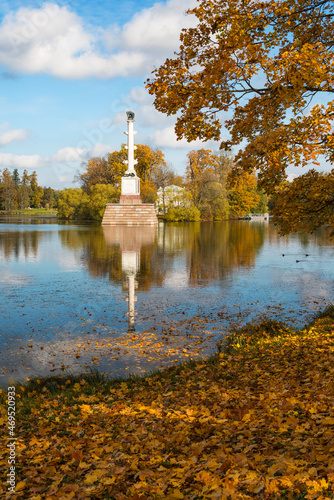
130,211
130,187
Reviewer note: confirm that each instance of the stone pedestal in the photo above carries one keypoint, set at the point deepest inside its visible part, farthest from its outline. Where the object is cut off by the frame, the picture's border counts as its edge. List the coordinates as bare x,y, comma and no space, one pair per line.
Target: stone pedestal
130,214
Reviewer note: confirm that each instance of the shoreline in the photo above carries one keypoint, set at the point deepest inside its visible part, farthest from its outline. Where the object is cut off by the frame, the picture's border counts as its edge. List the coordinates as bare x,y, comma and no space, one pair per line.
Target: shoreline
254,420
42,213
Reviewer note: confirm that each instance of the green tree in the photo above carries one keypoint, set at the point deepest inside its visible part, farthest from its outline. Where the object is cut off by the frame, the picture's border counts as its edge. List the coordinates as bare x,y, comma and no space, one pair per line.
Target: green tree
264,70
181,207
73,203
49,199
262,207
16,178
99,195
8,191
215,203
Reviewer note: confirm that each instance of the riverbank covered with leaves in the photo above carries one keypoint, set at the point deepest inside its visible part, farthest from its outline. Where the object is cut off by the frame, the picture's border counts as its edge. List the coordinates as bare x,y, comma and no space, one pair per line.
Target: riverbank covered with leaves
254,421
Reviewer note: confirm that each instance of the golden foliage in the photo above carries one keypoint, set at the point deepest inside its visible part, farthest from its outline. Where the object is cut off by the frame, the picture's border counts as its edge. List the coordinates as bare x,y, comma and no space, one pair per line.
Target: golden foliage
256,421
309,198
243,194
265,70
206,180
110,169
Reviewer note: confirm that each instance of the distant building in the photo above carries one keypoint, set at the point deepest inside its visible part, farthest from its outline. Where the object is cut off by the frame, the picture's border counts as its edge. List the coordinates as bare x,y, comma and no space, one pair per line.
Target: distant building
170,196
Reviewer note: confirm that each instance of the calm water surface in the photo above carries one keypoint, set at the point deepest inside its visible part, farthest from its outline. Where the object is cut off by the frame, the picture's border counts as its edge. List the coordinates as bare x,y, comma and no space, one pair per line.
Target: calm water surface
128,299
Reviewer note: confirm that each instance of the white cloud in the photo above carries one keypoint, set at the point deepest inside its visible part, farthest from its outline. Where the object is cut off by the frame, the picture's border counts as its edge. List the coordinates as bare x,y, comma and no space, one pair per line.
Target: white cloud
100,150
64,155
167,138
138,95
9,136
65,160
54,40
157,29
68,154
141,102
150,117
35,41
20,161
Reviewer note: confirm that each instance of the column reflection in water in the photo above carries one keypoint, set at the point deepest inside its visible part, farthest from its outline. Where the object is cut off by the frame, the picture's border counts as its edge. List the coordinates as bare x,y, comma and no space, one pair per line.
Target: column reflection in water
131,240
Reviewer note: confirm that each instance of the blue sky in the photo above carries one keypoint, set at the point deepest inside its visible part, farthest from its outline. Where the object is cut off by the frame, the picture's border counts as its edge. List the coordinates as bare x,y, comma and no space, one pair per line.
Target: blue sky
69,70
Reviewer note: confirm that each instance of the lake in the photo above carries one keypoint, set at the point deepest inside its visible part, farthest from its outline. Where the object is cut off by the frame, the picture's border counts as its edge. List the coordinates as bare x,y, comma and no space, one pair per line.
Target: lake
129,300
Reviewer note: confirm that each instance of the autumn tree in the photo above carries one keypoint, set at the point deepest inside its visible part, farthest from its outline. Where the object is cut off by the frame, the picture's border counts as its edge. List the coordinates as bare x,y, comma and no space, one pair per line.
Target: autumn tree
206,177
163,175
243,195
75,203
148,161
37,191
311,208
8,192
24,191
72,204
106,170
110,169
148,192
264,70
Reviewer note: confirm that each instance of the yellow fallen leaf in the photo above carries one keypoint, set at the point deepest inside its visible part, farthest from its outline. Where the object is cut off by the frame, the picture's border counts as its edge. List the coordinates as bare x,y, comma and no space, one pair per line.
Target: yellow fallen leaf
91,478
83,465
20,486
176,495
109,480
328,421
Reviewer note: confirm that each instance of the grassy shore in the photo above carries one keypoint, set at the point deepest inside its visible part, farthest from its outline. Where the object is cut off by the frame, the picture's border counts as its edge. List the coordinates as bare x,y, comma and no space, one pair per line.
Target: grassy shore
33,212
254,421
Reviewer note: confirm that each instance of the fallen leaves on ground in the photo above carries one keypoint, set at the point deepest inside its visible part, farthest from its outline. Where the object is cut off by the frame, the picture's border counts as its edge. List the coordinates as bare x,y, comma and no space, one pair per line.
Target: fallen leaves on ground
256,421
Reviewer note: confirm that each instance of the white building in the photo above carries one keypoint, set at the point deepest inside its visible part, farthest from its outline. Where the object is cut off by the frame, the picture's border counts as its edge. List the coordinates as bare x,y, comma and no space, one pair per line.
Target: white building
170,196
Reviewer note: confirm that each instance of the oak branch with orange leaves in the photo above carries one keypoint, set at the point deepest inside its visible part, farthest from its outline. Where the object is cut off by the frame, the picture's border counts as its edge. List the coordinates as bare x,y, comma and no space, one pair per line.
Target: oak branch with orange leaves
265,71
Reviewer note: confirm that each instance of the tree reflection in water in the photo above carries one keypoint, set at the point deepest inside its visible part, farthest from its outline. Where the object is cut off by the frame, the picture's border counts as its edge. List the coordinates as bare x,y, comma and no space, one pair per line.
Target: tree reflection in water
213,250
189,278
17,244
